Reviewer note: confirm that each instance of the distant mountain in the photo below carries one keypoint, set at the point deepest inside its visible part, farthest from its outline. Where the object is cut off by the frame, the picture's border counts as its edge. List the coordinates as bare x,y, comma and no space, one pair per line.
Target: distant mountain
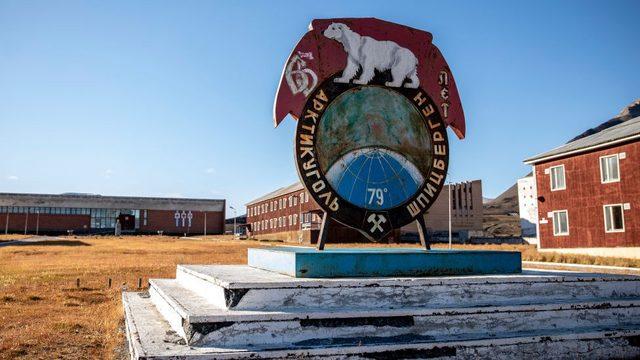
628,113
504,204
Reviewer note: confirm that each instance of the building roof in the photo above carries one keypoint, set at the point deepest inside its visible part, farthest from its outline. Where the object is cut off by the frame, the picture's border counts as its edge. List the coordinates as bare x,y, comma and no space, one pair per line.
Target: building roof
623,132
297,186
109,202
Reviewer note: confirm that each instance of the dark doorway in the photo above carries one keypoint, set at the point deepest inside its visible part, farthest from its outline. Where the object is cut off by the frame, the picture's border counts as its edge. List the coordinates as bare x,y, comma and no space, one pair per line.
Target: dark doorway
127,221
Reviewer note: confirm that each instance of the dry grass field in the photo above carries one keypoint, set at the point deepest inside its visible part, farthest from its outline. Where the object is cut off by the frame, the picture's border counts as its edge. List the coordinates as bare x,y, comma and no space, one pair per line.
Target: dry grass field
45,315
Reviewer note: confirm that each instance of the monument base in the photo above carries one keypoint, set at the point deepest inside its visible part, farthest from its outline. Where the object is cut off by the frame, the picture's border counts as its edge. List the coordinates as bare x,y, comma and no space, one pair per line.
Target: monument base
305,262
232,312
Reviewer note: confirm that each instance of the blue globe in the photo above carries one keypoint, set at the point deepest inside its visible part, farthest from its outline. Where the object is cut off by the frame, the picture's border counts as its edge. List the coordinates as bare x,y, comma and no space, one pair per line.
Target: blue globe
374,178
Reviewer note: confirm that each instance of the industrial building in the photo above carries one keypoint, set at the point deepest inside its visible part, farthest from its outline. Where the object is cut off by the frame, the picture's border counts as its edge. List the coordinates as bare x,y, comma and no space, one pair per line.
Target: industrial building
588,193
83,214
290,214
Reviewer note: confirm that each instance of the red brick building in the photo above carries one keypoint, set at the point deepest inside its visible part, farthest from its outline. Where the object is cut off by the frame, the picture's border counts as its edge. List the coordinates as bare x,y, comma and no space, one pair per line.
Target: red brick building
589,192
39,213
290,214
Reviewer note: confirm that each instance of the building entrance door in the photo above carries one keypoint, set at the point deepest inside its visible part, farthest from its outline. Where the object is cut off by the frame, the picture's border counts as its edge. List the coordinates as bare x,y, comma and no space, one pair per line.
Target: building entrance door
127,221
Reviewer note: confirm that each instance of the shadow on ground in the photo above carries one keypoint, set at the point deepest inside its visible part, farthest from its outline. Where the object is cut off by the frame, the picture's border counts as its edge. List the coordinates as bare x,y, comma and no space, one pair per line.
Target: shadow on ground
49,243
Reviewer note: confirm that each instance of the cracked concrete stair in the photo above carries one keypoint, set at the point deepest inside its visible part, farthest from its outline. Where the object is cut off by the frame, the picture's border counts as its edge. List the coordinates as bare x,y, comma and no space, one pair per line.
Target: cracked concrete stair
237,312
201,323
242,287
151,337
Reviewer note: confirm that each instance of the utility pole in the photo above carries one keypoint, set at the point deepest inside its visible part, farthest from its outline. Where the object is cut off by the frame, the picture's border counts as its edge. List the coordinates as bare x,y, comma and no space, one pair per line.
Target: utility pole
449,216
26,220
205,223
6,225
235,215
37,221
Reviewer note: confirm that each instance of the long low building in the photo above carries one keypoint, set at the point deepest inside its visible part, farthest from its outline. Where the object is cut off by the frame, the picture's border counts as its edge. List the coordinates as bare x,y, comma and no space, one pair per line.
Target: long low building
83,213
290,214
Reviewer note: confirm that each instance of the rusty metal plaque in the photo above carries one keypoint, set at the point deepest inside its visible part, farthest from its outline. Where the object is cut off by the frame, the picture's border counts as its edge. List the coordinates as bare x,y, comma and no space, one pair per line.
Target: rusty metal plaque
373,100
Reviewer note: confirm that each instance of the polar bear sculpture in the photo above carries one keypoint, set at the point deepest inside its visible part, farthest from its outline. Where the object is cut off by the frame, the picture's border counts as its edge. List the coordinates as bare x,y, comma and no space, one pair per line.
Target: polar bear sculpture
372,54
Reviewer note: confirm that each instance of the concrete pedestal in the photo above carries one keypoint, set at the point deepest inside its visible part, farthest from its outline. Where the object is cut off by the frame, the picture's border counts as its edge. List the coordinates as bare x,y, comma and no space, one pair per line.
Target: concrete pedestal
305,262
232,312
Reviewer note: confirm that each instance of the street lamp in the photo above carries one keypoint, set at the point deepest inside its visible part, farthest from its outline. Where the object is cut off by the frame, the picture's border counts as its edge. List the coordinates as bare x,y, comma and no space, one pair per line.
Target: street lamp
235,215
449,186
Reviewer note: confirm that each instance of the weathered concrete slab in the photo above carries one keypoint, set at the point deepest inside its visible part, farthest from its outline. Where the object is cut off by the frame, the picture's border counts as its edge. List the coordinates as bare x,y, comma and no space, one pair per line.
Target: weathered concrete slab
245,288
151,337
305,262
200,323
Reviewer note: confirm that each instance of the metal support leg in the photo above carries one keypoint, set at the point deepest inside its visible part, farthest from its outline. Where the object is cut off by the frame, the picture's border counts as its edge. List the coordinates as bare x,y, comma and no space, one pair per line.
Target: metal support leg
323,231
422,232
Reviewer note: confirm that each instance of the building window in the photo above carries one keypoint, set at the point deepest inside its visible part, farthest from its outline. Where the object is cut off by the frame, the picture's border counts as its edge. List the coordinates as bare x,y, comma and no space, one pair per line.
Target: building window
295,201
613,218
609,168
557,178
453,199
295,219
560,223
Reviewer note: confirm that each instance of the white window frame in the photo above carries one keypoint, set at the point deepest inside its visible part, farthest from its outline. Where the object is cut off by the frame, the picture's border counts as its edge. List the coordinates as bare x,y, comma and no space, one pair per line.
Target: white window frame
553,222
564,176
604,213
617,156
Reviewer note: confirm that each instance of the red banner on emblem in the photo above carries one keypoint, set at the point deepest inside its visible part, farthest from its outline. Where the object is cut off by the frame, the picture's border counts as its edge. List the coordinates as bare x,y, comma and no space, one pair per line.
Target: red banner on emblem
359,49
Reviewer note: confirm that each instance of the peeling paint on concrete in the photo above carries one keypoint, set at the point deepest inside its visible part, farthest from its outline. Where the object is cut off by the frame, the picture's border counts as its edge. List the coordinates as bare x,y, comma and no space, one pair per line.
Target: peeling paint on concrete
557,315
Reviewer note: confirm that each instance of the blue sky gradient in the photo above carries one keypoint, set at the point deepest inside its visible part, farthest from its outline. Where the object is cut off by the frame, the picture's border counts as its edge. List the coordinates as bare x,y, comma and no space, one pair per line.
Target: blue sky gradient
158,98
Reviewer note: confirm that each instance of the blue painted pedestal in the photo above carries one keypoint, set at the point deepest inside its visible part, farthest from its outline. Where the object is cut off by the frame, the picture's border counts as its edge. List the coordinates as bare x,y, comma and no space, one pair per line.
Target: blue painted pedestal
304,262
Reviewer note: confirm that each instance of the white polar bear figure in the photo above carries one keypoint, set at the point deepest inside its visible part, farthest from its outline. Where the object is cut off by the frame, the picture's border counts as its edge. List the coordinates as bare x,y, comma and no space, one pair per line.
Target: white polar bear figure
370,54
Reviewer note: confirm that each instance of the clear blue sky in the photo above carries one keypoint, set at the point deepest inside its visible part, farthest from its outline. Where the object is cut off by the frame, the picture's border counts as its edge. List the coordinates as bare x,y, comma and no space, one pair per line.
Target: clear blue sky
162,98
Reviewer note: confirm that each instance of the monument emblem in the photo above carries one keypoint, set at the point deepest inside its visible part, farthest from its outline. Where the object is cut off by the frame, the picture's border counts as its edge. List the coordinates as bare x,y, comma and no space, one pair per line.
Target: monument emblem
373,106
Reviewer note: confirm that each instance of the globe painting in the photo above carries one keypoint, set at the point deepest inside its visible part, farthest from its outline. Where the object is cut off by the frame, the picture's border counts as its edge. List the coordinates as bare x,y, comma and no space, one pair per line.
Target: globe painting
373,147
374,178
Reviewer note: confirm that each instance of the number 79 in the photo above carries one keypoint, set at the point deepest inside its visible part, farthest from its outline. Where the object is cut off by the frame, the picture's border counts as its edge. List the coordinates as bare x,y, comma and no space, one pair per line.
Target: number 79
377,195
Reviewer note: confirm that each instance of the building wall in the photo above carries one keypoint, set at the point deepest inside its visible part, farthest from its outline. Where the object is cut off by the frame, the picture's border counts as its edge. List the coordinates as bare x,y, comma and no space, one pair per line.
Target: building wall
282,213
155,220
279,219
44,223
585,196
165,220
528,206
466,209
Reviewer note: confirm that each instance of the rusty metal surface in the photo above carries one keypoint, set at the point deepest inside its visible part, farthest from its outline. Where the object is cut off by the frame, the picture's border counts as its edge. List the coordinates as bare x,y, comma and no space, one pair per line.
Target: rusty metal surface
373,100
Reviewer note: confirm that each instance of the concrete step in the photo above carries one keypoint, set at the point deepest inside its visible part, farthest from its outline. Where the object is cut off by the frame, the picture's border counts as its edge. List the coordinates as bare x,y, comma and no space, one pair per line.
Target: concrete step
201,323
151,337
241,287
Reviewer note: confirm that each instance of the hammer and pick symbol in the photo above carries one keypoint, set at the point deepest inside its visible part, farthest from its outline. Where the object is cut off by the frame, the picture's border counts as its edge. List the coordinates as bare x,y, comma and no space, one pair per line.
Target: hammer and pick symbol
376,220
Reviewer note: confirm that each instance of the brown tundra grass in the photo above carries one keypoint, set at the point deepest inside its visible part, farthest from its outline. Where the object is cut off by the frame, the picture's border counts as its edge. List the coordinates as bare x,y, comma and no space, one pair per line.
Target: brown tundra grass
44,315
